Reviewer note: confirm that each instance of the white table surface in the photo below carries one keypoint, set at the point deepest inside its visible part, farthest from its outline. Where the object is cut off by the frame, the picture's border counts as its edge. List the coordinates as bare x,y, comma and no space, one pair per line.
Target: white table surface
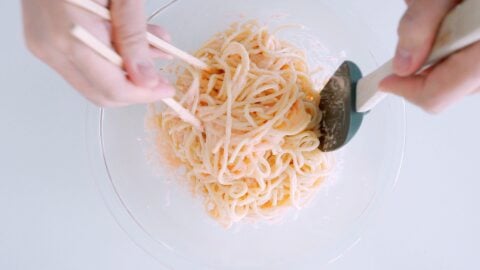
53,217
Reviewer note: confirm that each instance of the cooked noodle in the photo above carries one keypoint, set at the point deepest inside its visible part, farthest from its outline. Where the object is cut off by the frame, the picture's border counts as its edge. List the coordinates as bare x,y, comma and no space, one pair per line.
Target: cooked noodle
259,153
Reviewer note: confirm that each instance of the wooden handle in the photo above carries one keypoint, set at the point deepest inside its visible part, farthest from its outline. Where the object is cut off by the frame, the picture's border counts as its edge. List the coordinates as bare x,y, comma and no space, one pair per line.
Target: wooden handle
459,29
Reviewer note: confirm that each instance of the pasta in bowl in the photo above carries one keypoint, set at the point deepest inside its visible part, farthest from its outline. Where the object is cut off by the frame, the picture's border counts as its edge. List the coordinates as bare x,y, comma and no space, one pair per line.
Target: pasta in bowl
148,178
259,108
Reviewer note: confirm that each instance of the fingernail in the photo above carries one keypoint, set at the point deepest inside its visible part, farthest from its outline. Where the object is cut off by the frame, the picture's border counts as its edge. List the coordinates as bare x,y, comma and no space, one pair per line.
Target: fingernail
163,80
148,72
402,62
170,91
166,89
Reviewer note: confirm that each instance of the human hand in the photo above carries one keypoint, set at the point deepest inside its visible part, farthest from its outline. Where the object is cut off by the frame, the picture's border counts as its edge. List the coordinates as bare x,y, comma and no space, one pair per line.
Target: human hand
442,84
47,25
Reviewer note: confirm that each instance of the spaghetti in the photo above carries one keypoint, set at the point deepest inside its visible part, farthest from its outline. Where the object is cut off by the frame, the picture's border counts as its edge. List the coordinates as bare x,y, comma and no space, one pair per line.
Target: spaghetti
258,155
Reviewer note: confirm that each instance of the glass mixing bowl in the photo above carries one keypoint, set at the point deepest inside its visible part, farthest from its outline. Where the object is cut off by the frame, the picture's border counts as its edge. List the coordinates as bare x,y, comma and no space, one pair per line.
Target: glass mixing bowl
164,219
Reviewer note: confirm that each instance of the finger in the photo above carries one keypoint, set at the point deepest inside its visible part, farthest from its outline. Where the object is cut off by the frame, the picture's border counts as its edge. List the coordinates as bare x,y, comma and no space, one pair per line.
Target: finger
410,88
78,81
159,32
161,91
163,34
456,77
158,54
408,2
477,91
417,31
111,82
102,2
129,30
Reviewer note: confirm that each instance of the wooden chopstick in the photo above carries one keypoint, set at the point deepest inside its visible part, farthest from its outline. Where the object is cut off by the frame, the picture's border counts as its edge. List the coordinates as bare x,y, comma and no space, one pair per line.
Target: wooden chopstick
152,39
108,53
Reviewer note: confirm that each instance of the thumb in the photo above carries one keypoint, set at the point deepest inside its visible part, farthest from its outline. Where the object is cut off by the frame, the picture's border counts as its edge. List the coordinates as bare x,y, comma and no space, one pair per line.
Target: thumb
129,29
417,32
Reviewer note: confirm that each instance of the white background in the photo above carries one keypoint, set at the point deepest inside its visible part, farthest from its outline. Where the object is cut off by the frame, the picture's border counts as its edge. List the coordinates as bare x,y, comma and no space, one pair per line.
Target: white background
53,217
